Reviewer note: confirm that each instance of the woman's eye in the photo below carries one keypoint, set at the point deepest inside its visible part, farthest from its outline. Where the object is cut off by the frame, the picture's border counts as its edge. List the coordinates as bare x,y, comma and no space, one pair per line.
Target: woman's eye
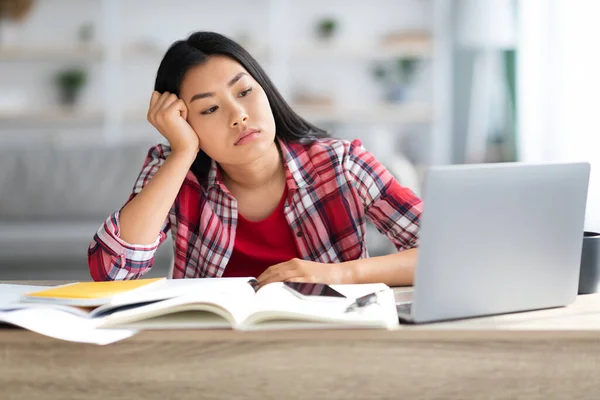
210,110
246,92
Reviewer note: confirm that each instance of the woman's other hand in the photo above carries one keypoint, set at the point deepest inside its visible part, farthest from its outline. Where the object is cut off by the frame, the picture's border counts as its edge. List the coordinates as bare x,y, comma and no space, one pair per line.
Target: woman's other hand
297,270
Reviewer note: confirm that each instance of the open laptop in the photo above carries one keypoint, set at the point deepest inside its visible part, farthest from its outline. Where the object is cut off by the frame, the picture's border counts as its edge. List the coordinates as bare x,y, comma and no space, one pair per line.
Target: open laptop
498,238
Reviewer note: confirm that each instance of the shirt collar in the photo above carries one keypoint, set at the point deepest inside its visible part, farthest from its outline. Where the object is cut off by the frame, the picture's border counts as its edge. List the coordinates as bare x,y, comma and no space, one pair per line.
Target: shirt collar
299,169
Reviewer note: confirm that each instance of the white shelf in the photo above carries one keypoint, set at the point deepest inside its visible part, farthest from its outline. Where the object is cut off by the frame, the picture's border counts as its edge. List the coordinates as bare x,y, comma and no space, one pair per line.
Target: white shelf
329,51
53,116
136,53
320,50
83,53
384,113
315,51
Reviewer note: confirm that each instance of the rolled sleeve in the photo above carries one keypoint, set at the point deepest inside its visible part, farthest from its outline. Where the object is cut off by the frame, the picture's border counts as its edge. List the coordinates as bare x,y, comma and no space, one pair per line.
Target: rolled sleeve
109,256
394,210
109,237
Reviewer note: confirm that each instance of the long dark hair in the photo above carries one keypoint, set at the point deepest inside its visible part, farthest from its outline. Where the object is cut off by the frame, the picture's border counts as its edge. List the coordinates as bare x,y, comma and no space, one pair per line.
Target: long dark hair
195,50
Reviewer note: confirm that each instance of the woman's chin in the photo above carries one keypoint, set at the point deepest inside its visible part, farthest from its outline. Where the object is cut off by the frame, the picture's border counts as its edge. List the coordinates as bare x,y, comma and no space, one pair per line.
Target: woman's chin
255,149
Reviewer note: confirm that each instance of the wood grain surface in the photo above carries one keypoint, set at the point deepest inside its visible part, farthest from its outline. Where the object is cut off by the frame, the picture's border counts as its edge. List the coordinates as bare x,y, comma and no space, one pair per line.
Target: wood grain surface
468,359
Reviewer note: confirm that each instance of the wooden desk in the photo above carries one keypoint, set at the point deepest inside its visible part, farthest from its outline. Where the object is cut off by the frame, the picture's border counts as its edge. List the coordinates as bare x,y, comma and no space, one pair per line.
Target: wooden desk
537,355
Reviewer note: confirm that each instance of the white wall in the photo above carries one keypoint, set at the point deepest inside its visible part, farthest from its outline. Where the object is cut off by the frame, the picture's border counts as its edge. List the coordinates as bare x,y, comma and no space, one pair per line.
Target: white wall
559,87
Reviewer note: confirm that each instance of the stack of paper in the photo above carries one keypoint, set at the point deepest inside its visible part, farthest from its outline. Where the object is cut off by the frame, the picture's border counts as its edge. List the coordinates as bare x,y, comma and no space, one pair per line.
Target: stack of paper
105,312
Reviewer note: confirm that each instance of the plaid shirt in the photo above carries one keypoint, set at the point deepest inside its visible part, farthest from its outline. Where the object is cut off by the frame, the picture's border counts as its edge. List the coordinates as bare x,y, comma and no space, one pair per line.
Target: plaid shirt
333,186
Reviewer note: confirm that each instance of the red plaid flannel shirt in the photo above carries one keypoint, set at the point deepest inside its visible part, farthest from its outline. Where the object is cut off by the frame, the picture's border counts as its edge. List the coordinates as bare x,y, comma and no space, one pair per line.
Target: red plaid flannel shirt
333,186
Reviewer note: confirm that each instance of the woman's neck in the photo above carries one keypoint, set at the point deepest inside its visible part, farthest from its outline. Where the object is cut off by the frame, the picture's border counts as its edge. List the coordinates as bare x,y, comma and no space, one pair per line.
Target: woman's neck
257,174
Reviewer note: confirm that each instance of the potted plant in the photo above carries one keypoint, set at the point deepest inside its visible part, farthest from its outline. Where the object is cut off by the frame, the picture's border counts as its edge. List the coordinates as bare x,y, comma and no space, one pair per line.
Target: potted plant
406,68
396,77
70,81
326,28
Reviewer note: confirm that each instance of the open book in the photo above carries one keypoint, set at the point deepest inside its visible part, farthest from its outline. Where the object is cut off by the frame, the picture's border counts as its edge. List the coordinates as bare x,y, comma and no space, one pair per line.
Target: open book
216,303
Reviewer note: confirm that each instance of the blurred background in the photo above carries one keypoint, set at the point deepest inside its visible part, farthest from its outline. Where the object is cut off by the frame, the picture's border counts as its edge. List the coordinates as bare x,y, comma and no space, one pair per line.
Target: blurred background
420,82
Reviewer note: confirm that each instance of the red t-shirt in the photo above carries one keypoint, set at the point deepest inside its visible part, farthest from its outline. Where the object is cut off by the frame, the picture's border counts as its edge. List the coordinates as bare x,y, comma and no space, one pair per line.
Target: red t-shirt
260,244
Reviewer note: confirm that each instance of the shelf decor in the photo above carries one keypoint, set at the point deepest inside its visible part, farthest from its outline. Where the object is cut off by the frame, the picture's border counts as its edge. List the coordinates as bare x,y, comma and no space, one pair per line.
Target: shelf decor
69,82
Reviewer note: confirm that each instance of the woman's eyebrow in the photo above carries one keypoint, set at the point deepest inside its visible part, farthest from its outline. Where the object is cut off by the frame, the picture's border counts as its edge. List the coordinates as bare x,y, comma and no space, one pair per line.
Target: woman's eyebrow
210,94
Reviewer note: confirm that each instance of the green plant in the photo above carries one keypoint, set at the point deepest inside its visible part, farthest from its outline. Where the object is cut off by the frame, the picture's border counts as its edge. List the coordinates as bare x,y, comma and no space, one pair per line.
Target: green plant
70,81
379,72
406,67
73,78
396,76
326,27
401,72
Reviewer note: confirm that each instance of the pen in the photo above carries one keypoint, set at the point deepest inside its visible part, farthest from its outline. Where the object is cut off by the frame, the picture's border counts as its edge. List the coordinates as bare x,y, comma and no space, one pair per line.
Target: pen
363,301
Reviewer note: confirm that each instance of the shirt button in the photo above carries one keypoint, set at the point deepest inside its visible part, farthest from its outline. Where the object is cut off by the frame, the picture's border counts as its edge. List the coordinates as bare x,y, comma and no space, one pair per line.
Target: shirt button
299,234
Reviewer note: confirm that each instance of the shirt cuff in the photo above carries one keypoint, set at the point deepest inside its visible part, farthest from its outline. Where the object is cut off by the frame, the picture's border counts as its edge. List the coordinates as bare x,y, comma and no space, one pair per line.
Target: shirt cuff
109,235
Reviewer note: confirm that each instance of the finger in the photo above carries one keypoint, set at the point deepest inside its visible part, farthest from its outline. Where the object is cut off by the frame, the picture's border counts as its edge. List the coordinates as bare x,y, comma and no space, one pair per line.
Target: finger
282,275
169,101
305,279
271,271
153,100
183,109
159,106
291,265
272,279
178,106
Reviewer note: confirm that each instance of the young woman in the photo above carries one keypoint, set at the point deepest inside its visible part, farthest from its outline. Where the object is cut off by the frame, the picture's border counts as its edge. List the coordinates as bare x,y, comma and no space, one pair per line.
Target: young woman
249,188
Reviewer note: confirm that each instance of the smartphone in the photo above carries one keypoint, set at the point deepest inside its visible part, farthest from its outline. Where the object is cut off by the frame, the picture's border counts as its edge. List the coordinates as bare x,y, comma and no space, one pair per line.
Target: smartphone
313,291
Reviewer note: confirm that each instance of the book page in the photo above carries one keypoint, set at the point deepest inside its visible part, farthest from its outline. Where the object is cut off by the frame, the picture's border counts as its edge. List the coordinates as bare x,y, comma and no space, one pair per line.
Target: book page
231,300
10,296
62,325
11,293
171,288
355,291
275,308
191,319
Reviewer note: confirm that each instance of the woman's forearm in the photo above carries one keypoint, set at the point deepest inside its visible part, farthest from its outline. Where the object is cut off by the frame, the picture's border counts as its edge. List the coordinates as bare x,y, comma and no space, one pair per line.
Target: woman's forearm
143,217
396,269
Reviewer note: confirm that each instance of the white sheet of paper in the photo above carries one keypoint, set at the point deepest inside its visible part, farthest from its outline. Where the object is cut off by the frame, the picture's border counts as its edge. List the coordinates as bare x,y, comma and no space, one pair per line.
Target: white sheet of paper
353,291
11,293
10,296
52,321
62,325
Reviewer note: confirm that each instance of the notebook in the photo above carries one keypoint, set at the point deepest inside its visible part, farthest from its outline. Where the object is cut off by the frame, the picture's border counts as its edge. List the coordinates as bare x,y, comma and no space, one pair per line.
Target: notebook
88,294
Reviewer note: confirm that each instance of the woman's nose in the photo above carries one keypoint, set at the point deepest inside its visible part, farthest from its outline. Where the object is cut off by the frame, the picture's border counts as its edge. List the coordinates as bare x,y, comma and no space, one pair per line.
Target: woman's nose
240,117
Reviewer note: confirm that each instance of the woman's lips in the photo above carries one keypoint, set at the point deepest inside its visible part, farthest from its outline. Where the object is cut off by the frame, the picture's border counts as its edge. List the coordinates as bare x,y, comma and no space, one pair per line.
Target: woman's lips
247,137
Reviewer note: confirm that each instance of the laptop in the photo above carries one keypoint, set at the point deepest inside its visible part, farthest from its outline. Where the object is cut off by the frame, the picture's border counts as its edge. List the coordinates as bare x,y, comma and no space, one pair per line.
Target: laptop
498,238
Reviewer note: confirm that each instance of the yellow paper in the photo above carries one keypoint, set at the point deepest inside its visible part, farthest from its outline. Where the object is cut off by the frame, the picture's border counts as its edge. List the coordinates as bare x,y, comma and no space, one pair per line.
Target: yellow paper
93,290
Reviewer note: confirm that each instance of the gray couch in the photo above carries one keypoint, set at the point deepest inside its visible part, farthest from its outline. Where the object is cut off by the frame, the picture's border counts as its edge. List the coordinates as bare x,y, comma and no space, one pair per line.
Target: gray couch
53,198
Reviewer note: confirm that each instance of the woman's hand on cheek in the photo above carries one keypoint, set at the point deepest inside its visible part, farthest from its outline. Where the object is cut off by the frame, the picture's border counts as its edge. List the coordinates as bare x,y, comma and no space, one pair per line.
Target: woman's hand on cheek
168,114
297,270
